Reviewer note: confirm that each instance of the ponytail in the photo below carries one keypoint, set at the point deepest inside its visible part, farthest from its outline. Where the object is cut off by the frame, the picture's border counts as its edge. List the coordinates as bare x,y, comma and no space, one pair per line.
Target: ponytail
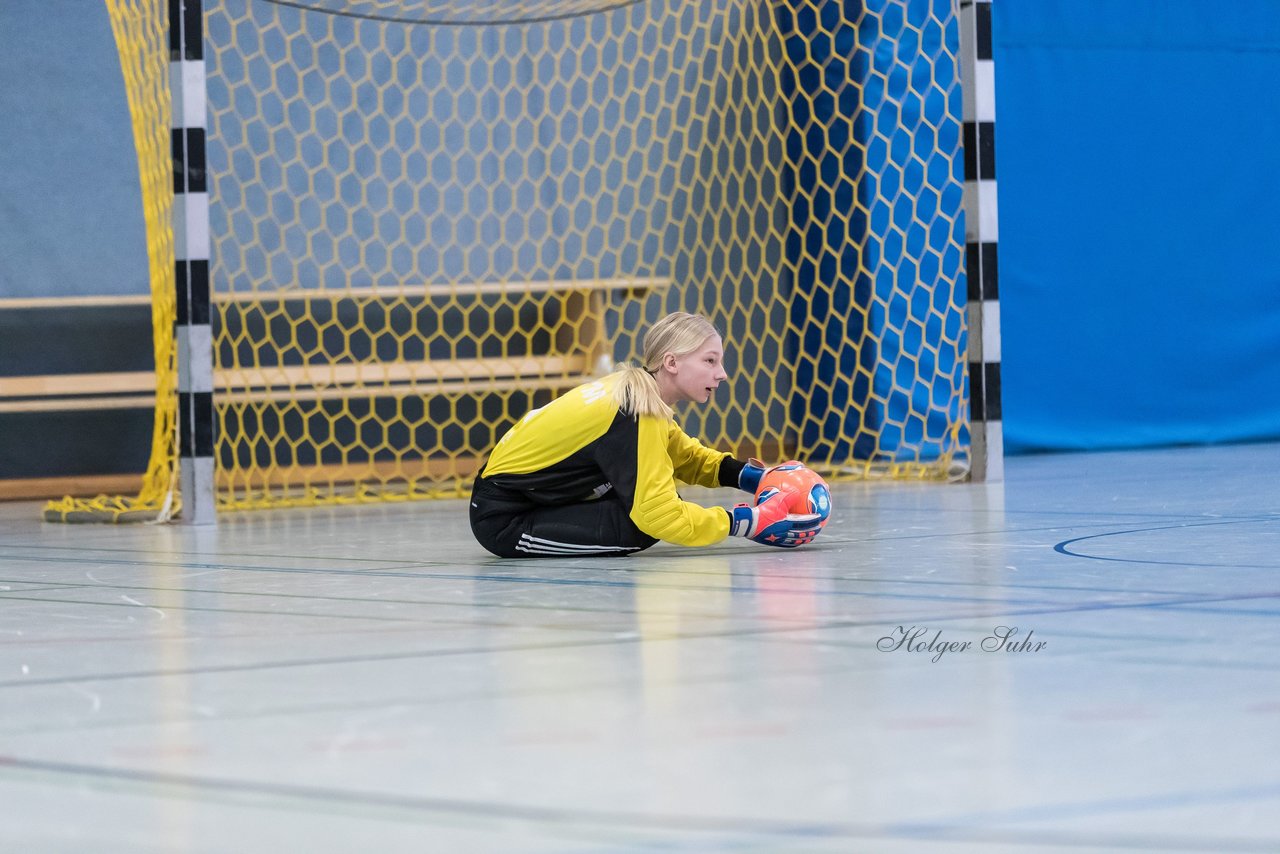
636,393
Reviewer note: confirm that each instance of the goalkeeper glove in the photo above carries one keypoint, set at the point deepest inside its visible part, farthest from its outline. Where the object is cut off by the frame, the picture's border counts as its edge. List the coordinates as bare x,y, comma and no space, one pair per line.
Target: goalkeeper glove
749,477
753,471
771,522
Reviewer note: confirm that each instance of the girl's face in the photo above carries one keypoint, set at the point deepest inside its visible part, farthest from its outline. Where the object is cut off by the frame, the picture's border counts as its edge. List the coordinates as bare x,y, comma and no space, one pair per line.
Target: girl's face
696,375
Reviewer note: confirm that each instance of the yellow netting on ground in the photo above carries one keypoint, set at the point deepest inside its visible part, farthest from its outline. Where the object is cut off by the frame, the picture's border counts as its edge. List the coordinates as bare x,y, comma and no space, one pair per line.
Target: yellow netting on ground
429,217
142,39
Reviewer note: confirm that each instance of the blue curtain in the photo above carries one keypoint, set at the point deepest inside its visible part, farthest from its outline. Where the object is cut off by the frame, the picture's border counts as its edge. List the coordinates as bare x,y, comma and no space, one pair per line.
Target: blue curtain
1138,150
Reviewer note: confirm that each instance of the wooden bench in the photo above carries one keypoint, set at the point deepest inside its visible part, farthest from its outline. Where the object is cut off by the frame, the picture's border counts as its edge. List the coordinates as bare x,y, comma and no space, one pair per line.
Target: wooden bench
573,349
579,352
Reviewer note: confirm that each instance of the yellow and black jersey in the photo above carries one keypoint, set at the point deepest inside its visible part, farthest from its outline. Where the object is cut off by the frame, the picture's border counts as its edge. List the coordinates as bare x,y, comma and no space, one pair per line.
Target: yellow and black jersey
580,447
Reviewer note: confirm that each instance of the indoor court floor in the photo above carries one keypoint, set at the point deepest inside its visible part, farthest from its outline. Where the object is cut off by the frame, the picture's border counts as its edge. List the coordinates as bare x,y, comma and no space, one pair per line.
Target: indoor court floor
368,679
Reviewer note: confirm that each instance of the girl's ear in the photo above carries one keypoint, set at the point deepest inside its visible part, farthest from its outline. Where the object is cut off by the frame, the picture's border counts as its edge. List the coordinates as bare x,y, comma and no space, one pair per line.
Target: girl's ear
669,361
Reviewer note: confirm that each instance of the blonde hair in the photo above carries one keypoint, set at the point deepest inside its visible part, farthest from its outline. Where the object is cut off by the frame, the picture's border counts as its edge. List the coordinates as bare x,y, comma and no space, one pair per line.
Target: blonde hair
679,333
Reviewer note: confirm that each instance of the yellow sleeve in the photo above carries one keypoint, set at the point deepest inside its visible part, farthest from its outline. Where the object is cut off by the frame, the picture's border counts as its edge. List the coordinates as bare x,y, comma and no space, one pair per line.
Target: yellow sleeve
657,509
692,461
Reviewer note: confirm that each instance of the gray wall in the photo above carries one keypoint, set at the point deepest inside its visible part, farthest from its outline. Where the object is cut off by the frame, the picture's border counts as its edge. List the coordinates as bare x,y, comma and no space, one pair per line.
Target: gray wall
70,208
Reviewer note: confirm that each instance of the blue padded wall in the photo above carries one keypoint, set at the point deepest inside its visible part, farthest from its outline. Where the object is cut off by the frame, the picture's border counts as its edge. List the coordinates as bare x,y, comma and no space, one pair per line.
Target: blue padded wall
1138,145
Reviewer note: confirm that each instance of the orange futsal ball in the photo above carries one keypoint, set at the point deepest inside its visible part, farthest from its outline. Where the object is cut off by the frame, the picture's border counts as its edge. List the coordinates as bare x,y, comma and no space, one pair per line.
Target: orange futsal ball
810,493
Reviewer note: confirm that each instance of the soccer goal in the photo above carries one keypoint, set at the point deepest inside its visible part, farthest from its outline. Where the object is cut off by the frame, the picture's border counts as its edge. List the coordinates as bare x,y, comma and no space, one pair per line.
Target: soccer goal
381,231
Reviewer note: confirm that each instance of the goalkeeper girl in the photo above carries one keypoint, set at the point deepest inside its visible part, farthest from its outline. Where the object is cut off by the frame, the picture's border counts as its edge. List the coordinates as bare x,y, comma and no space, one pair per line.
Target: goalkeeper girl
594,471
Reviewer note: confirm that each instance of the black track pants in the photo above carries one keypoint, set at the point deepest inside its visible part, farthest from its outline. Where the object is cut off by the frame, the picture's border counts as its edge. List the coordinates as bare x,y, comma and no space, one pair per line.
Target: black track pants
509,525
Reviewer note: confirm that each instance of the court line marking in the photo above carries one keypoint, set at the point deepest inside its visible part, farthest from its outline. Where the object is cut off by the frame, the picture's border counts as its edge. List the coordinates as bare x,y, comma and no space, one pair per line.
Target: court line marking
309,797
188,552
630,638
1064,546
1212,664
1189,517
196,608
649,571
382,600
645,584
444,622
325,708
619,611
1234,612
1102,806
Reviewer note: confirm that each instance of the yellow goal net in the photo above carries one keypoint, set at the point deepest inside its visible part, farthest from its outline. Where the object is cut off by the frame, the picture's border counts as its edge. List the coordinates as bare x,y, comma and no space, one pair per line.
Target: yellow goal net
429,217
140,28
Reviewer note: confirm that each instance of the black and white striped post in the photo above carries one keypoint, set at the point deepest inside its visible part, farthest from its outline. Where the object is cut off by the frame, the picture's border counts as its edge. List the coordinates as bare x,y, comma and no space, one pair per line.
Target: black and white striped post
196,423
977,70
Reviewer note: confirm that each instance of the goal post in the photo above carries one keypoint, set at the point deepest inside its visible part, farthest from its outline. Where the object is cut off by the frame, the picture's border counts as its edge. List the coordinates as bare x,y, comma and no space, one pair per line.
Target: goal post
982,229
426,219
